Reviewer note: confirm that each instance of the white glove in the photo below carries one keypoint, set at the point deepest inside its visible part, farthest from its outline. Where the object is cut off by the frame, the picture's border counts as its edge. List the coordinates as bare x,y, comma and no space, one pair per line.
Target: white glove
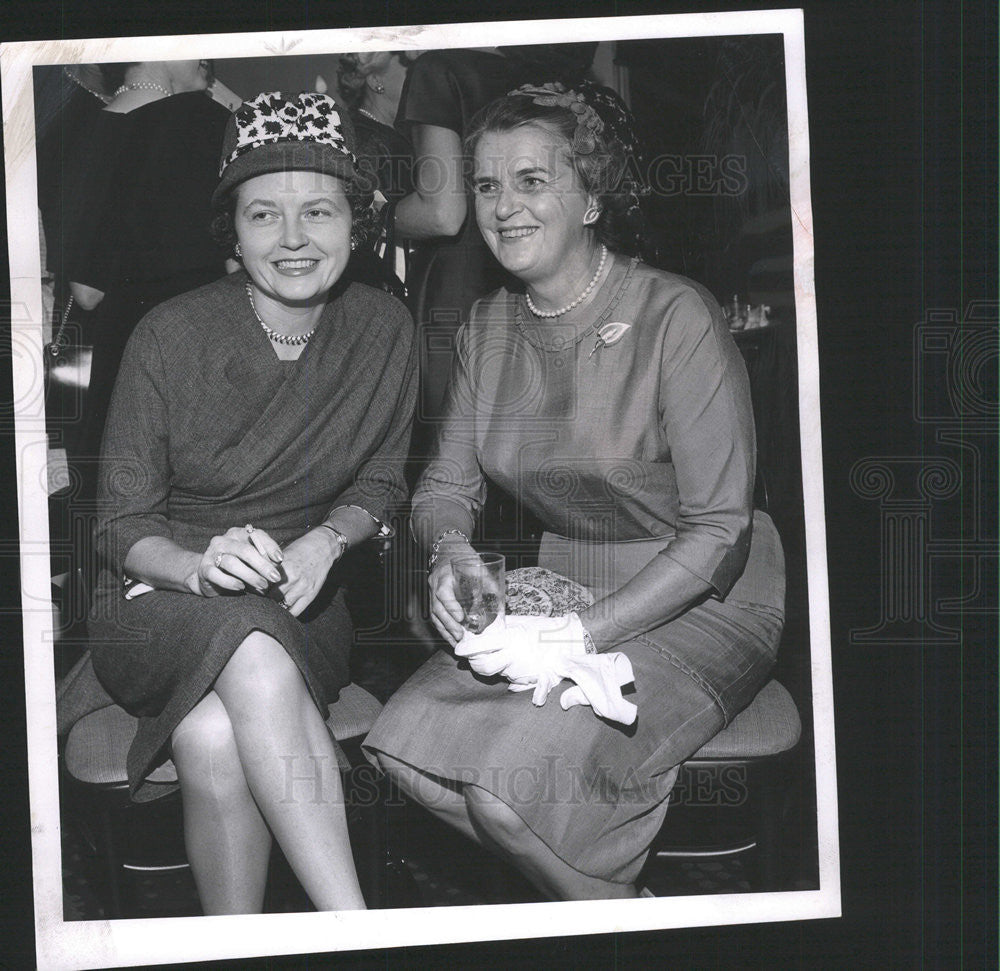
537,644
539,652
523,647
599,681
489,641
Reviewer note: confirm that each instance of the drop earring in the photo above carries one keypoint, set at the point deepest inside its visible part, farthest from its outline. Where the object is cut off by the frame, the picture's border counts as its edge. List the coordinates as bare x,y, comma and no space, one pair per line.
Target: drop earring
591,216
238,251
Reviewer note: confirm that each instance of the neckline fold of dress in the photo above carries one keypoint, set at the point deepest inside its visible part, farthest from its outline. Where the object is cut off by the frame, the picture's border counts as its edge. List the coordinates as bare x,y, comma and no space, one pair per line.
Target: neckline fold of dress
533,332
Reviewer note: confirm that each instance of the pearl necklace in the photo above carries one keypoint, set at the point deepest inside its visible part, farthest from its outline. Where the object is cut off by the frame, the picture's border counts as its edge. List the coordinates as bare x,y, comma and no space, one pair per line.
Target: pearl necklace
142,86
273,334
583,296
89,90
559,342
368,114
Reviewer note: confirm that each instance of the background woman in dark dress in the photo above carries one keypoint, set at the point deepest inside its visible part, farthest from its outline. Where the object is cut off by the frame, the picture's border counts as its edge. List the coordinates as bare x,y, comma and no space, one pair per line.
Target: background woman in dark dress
371,85
143,182
257,433
68,104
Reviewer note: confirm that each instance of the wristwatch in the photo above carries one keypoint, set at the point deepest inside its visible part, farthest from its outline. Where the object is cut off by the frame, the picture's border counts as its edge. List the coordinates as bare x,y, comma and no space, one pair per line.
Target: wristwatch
339,536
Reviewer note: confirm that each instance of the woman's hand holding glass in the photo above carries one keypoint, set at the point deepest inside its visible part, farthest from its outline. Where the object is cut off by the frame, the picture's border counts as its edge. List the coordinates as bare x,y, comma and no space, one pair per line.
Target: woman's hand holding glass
447,613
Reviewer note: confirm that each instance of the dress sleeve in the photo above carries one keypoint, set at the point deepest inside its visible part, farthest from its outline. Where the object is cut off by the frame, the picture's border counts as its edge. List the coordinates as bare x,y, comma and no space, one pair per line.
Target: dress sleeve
379,486
135,463
452,488
707,419
432,96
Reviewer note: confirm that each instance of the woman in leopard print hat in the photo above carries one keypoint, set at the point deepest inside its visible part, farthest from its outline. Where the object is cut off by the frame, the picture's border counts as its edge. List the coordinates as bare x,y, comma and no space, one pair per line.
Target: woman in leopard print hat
256,436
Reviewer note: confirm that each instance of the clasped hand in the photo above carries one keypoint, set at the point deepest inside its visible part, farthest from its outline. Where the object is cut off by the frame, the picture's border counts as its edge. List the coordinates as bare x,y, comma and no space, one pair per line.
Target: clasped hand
240,560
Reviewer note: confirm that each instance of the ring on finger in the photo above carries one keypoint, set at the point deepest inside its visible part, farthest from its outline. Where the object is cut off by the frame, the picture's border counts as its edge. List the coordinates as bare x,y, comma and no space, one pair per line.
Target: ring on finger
286,604
218,559
249,528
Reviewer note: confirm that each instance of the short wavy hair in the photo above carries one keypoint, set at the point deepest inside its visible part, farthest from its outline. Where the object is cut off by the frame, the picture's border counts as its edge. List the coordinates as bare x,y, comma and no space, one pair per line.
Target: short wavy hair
608,172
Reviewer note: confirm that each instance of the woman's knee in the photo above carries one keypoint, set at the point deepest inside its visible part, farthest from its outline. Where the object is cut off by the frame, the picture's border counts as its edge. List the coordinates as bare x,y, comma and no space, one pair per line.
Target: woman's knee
260,673
442,797
418,786
493,815
203,745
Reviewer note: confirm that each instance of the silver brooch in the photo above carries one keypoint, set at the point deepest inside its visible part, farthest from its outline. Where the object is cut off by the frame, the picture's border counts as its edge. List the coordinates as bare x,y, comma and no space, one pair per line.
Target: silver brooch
609,335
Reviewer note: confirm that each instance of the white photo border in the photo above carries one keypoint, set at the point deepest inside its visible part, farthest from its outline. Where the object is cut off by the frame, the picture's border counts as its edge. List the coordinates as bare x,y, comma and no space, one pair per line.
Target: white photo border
62,944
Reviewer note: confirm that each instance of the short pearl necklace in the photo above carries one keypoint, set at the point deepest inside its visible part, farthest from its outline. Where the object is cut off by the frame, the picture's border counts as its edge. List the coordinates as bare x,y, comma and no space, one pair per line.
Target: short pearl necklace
273,334
583,296
142,86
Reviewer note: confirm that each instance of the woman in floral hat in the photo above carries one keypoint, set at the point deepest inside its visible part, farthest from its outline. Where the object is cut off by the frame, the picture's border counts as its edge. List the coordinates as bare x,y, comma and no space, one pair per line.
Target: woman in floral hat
611,400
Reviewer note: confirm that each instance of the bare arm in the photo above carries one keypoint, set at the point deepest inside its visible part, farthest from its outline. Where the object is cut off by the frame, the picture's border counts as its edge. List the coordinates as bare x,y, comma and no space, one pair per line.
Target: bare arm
437,206
86,297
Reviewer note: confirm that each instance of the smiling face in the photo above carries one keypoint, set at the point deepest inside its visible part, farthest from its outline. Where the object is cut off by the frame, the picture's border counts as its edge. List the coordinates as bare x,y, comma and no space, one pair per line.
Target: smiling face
294,231
530,204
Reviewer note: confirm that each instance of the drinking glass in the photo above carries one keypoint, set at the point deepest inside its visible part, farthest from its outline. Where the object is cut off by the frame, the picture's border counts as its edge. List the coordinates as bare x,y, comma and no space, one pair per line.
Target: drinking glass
479,587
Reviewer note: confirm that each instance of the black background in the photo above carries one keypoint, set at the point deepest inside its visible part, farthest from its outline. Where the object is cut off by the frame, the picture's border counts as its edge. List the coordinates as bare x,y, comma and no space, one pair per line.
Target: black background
903,135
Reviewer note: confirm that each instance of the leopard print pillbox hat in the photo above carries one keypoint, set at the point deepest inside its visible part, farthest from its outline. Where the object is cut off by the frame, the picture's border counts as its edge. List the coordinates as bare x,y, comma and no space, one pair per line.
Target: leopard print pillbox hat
275,132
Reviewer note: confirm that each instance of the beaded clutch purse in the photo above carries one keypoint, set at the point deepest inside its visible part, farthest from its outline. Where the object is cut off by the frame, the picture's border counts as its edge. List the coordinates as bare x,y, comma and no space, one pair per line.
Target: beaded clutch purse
536,592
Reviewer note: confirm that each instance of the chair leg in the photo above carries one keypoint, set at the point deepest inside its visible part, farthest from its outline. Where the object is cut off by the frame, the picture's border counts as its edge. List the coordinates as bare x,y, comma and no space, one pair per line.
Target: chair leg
768,829
401,889
364,800
113,867
374,835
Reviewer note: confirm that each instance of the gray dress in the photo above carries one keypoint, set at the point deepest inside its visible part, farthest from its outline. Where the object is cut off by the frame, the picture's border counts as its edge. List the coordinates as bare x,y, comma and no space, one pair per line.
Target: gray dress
638,449
208,429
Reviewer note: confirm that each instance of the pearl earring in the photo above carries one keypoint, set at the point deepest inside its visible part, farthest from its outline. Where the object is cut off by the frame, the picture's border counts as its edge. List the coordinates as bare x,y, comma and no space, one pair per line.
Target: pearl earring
238,251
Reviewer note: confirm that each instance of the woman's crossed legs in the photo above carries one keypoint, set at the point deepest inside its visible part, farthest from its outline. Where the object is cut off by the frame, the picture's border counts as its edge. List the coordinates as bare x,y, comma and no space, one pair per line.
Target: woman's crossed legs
254,757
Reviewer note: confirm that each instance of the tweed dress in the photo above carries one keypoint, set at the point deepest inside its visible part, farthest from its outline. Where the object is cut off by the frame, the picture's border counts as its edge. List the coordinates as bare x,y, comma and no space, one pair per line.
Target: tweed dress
208,429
